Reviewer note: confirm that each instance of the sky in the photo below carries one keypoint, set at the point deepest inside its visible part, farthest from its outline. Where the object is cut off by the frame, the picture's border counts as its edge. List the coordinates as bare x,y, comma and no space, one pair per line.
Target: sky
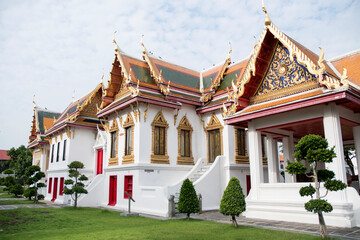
59,49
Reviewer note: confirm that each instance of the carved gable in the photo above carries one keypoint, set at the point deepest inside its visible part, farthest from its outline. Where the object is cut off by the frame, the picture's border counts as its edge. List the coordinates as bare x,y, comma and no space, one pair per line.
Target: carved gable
283,77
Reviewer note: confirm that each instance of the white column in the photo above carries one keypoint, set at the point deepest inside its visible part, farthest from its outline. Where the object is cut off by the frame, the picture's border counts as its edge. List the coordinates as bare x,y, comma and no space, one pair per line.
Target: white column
255,159
272,158
332,129
288,150
356,133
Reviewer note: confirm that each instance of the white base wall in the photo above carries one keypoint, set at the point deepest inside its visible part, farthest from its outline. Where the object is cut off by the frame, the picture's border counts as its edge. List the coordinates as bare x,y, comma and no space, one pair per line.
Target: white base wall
282,202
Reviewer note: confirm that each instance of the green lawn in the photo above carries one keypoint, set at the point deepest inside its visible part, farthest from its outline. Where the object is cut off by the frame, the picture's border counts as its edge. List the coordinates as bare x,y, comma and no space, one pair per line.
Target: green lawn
13,202
5,195
88,223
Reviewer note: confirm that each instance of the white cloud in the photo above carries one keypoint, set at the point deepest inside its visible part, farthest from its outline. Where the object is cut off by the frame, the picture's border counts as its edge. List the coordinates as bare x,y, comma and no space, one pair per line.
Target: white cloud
50,48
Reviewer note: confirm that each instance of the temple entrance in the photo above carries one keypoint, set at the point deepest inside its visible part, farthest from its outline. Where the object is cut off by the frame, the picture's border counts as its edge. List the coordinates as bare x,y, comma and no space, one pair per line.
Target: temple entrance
55,189
99,165
112,190
214,144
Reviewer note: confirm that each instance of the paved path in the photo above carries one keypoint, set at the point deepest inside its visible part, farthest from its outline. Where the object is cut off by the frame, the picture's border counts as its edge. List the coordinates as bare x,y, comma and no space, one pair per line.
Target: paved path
313,229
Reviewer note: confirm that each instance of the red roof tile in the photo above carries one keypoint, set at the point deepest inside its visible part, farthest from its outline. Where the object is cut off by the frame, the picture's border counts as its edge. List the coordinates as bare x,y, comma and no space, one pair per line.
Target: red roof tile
352,63
3,155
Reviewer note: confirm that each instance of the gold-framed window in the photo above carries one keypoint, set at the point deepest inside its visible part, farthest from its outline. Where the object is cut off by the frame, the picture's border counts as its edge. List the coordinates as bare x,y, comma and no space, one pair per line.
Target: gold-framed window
241,154
129,126
114,129
263,149
214,136
159,140
185,130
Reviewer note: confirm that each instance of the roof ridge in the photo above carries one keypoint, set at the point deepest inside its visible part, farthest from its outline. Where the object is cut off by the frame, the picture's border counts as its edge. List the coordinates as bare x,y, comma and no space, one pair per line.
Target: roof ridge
348,54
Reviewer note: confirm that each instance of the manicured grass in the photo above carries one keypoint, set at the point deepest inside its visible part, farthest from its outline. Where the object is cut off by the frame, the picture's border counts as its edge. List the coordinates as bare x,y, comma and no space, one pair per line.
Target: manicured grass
5,195
87,223
13,202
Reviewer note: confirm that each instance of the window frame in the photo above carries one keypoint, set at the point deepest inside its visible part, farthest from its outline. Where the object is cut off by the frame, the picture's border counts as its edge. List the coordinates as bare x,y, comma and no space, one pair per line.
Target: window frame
159,121
241,158
52,153
113,158
129,128
213,124
58,152
185,126
64,150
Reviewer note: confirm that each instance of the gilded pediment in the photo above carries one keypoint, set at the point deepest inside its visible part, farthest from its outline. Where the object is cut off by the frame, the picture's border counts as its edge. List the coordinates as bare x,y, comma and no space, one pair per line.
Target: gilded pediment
283,77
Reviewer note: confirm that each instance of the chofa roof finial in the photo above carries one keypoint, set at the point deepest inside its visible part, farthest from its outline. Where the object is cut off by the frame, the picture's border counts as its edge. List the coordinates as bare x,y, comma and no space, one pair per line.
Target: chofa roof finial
33,100
267,19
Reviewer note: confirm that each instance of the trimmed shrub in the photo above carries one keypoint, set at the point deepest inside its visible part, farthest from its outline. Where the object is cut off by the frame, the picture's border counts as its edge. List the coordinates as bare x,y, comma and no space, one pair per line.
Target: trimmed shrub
233,200
188,201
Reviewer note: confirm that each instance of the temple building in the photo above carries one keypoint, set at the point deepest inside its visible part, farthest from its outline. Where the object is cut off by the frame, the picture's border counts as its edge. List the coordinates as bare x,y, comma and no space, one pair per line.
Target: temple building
155,124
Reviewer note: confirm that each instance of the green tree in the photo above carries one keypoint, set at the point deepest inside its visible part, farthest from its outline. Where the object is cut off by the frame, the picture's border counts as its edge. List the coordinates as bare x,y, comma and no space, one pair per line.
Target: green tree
188,201
349,155
77,185
233,200
17,189
8,181
34,175
314,149
20,160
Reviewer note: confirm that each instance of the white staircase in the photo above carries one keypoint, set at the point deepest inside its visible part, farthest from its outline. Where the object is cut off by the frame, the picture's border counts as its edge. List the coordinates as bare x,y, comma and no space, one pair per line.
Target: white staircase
199,173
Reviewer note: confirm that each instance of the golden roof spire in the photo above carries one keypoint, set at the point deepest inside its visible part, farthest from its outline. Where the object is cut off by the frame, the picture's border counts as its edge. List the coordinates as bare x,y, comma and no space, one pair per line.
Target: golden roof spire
33,100
267,19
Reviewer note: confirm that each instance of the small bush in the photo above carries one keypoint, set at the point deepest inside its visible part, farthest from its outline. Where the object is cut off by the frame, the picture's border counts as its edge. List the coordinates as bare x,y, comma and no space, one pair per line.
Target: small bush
17,190
188,201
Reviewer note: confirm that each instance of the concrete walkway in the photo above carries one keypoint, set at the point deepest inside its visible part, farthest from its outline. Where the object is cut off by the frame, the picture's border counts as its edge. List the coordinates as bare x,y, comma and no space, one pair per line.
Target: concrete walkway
313,229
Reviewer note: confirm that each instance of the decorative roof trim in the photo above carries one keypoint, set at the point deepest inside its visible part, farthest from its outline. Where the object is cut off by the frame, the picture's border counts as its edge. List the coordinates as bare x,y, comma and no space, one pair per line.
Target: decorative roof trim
156,75
317,70
215,84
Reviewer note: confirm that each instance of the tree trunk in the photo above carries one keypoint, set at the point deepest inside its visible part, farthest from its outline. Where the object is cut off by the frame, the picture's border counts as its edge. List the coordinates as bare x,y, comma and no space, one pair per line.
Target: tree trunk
234,222
323,230
75,204
188,216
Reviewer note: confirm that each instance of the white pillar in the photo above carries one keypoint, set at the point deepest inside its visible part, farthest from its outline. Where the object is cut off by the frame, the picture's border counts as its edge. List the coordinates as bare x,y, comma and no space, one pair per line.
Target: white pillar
288,150
356,133
332,129
255,159
272,158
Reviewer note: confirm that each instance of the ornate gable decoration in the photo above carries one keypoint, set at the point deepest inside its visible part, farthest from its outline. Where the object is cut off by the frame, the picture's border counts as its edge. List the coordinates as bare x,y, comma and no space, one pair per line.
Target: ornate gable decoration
160,120
128,121
285,76
184,124
114,126
214,123
317,69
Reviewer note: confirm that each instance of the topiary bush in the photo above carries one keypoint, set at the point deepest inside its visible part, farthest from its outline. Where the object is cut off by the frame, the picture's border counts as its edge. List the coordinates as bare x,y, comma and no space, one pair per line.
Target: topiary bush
77,186
314,149
17,190
34,175
188,201
233,200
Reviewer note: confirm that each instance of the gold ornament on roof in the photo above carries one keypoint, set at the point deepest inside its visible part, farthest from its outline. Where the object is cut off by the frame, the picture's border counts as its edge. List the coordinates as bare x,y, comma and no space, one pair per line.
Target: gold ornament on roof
145,112
267,18
344,78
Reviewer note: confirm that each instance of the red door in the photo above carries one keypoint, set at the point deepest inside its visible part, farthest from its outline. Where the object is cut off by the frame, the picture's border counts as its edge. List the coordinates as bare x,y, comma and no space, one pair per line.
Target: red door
50,185
112,190
99,167
55,189
128,186
248,184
